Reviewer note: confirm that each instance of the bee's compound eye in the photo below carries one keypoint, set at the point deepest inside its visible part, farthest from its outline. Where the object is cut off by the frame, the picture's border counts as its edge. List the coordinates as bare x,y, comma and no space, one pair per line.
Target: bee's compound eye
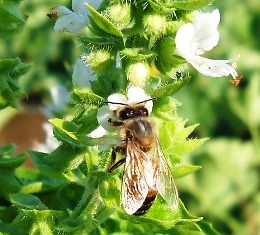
126,113
143,112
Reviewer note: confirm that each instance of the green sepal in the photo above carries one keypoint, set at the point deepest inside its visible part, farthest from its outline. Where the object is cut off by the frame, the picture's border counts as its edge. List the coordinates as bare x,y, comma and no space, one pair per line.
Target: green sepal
97,41
103,22
138,54
161,7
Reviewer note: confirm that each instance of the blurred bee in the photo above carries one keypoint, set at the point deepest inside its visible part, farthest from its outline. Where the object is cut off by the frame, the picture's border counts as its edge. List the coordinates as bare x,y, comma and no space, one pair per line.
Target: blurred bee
146,172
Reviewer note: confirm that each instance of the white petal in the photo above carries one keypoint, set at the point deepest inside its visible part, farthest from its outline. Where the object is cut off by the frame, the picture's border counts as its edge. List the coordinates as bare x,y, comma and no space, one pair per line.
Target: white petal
206,34
79,6
103,115
62,10
184,39
199,36
212,68
82,74
98,132
116,98
106,142
136,94
70,23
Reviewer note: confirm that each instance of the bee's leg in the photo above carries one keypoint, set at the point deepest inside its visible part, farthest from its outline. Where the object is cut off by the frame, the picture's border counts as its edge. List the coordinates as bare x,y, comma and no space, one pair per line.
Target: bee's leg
115,123
113,164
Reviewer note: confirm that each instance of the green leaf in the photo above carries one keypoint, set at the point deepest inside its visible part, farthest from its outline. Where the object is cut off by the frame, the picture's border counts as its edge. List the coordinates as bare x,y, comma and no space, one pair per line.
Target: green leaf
169,89
162,215
10,70
11,20
66,158
207,228
87,120
181,171
12,162
165,108
27,201
166,62
103,22
7,150
66,129
190,5
8,183
85,96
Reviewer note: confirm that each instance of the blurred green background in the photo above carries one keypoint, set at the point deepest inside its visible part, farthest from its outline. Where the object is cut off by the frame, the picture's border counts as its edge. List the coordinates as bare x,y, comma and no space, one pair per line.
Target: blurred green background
226,190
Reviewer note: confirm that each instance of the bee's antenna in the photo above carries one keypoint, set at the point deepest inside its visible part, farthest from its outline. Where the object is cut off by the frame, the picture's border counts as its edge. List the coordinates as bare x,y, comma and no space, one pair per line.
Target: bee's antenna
146,100
109,102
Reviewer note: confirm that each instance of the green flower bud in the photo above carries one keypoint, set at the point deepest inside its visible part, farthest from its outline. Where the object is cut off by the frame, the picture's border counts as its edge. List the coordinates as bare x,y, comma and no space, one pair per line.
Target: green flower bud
98,60
119,15
138,73
155,25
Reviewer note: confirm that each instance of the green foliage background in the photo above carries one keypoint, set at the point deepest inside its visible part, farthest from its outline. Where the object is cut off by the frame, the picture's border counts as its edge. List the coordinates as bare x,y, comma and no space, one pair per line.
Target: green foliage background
226,190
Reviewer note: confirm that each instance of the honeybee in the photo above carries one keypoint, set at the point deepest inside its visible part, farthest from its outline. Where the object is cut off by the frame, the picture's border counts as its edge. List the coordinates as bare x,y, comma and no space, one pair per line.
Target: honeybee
146,172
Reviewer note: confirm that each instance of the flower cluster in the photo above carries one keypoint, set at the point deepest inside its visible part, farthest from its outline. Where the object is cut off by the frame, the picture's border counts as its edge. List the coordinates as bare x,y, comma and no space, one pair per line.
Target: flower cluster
191,40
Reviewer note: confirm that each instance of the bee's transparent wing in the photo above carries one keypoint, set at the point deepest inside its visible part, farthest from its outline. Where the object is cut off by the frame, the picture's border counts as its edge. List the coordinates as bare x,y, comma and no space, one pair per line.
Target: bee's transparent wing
165,182
134,185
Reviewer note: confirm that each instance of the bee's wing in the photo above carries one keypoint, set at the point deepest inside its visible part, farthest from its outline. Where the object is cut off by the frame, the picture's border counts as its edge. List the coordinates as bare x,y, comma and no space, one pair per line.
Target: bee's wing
134,185
165,182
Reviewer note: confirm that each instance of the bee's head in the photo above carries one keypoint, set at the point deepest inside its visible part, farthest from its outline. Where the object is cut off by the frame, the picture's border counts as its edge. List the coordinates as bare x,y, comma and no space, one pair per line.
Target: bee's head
132,111
127,111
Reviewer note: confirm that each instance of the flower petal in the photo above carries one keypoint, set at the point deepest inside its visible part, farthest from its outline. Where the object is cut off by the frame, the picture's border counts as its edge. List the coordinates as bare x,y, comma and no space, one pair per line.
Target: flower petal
200,36
212,68
70,23
103,115
98,132
184,38
117,98
136,94
206,34
82,74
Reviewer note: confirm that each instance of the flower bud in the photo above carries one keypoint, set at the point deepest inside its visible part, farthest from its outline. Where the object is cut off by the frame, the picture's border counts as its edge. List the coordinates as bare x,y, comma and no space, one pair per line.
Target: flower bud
119,15
155,25
137,73
98,60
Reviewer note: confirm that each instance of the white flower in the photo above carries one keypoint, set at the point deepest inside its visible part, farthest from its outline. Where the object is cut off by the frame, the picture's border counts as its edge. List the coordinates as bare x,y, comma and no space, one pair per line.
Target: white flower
76,20
51,142
134,95
82,74
193,39
60,98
